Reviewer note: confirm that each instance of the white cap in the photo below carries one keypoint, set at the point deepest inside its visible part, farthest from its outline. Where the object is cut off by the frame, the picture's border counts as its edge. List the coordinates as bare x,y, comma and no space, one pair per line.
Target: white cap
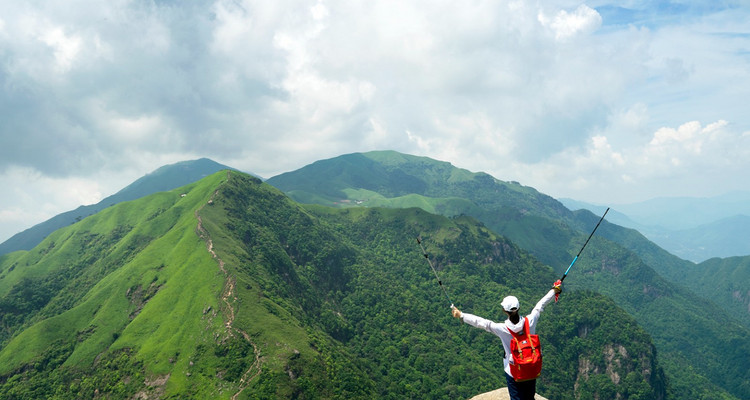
510,303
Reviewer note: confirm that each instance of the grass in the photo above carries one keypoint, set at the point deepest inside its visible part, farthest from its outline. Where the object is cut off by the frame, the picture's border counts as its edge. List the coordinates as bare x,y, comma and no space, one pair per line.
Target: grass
161,267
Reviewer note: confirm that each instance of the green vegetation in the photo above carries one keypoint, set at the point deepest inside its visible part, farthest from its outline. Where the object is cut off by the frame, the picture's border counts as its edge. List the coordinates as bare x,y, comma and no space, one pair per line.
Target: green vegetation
165,178
388,327
722,280
298,302
236,290
619,263
478,268
132,281
623,365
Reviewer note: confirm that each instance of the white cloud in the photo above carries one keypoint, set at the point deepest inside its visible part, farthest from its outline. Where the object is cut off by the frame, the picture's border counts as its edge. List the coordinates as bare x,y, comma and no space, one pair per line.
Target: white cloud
689,139
583,20
319,11
551,94
690,160
66,47
49,197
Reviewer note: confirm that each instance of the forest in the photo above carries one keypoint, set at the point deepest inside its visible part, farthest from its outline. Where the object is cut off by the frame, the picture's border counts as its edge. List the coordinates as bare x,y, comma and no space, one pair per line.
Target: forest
237,290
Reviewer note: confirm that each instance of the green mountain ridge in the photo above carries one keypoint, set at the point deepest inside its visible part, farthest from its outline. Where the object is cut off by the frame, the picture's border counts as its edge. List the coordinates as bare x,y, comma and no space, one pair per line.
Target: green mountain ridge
719,280
235,291
128,274
619,262
273,284
165,178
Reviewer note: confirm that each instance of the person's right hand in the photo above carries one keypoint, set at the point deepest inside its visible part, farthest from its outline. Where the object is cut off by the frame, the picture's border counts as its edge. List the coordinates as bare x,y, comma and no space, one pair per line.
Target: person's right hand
456,312
557,286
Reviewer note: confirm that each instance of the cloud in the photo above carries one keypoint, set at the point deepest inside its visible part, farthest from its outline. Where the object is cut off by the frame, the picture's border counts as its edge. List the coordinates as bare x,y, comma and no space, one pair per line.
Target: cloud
26,186
690,160
65,48
213,78
541,93
583,20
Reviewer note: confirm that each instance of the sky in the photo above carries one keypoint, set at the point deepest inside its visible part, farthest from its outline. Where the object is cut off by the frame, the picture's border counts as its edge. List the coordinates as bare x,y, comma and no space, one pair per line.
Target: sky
608,102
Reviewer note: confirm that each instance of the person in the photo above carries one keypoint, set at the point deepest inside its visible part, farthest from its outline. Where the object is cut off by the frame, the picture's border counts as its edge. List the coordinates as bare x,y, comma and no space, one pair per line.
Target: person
518,390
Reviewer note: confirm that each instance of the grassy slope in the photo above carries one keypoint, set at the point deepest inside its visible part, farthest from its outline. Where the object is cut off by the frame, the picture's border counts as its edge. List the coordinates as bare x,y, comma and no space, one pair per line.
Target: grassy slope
279,335
170,275
137,279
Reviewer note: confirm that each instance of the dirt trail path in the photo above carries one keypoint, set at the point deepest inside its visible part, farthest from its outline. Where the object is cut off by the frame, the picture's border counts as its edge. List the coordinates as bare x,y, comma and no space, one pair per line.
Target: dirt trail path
228,297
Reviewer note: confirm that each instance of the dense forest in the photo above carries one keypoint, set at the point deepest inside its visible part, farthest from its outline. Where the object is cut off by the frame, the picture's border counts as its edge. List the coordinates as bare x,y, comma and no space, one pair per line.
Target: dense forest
231,288
235,289
645,280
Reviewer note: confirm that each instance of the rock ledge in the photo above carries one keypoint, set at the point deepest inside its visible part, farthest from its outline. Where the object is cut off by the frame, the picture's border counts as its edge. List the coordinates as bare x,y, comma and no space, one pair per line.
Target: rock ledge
500,394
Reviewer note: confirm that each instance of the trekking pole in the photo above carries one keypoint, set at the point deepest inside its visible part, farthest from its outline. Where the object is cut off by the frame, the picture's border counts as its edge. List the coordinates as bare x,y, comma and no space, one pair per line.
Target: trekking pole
424,253
581,251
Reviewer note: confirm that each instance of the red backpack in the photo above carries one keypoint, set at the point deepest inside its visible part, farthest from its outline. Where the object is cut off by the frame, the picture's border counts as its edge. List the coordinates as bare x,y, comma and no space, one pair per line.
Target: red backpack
526,363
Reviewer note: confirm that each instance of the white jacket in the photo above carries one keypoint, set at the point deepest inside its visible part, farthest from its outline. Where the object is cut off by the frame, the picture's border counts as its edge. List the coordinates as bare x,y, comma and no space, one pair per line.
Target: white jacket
502,330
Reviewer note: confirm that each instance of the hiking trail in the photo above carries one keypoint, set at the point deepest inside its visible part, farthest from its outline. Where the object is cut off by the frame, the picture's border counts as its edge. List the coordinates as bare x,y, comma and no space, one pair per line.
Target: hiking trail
228,297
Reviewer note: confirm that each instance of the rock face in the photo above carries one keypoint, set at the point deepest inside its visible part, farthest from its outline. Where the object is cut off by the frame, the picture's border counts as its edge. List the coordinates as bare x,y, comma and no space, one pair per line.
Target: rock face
500,394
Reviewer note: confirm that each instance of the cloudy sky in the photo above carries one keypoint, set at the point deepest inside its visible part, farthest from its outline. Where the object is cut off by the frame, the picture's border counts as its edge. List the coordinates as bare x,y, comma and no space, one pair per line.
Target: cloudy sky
602,101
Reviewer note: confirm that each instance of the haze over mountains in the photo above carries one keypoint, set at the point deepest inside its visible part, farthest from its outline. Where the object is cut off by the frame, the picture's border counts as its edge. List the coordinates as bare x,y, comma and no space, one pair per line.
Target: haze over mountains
695,229
344,283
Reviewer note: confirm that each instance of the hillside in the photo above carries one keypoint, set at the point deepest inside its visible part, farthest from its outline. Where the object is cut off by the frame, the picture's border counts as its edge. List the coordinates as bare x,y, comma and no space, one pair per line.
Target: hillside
619,262
721,286
165,178
118,302
236,291
732,290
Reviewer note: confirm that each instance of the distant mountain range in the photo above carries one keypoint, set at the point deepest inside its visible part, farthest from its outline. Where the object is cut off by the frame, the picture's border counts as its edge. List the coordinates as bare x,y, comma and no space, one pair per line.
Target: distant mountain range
227,289
695,229
323,284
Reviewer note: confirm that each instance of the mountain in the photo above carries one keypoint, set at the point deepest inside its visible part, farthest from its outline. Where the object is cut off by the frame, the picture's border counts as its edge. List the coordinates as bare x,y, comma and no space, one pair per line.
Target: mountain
723,237
717,279
614,215
618,262
165,178
678,213
723,280
226,288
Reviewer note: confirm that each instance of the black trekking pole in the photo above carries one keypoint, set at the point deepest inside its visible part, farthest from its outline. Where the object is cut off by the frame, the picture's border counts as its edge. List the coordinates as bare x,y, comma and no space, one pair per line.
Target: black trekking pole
424,253
581,251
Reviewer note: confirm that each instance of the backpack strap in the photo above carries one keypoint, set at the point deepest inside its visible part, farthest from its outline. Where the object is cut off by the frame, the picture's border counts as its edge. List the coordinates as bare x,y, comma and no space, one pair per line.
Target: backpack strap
526,327
527,331
528,334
